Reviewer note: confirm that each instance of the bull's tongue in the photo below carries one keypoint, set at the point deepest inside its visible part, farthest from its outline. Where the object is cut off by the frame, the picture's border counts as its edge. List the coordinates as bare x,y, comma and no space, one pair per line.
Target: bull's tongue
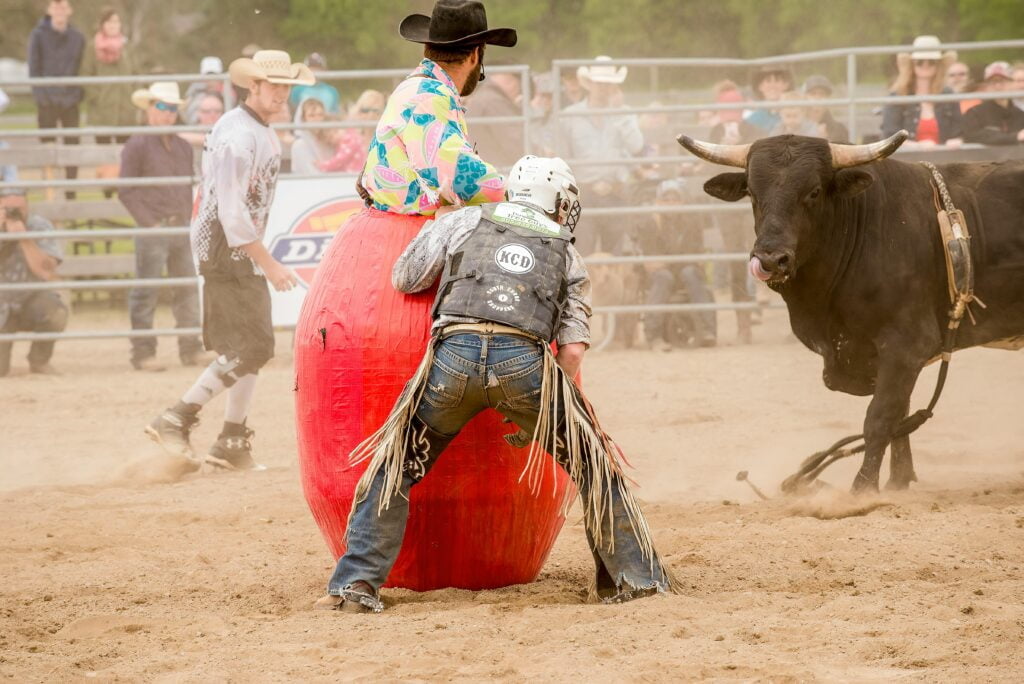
757,270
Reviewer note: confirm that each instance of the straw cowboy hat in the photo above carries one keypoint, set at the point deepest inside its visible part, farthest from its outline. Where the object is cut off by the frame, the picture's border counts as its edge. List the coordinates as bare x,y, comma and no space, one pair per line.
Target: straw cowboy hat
601,73
274,66
162,91
455,23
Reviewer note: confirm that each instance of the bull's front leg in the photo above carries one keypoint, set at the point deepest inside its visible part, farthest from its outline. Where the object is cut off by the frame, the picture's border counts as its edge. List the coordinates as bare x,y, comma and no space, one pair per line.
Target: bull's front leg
901,464
896,380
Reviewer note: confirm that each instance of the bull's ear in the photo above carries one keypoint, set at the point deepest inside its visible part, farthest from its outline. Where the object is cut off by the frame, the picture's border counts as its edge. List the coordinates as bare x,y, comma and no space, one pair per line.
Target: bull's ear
727,186
852,182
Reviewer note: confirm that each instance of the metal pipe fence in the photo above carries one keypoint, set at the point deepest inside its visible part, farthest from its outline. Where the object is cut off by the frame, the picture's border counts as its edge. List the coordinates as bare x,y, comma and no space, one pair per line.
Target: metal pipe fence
527,119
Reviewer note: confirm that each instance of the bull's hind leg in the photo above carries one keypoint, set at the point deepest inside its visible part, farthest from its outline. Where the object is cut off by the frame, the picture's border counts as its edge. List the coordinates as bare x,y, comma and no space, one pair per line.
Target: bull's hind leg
896,381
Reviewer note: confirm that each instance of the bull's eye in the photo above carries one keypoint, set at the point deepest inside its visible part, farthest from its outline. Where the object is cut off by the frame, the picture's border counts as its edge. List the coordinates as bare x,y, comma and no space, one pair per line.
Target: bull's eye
815,193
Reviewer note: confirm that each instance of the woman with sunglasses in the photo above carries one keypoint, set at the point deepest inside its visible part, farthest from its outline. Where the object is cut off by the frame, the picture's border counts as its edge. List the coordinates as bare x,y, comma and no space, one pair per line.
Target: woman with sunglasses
923,72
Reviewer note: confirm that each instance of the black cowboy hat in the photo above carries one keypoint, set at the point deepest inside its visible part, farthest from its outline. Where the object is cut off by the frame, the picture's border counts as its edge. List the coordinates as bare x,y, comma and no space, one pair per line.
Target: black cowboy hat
455,23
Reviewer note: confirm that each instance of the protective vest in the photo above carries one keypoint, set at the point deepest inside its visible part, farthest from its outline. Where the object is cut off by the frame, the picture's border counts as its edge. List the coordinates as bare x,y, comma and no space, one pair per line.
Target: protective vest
511,270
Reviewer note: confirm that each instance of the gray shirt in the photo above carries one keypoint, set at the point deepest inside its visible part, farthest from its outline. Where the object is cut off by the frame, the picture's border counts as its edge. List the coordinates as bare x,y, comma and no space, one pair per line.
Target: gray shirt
601,136
423,260
14,268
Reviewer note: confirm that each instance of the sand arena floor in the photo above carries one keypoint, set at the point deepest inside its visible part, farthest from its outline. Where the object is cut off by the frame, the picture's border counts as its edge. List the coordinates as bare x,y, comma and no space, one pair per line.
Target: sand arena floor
116,570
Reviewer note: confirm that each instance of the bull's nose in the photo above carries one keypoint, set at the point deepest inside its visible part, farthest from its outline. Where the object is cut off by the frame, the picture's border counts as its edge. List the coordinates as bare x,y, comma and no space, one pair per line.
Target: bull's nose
776,262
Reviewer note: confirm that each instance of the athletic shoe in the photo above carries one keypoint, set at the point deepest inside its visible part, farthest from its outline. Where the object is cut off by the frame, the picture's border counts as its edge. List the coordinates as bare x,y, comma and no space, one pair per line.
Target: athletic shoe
171,430
234,451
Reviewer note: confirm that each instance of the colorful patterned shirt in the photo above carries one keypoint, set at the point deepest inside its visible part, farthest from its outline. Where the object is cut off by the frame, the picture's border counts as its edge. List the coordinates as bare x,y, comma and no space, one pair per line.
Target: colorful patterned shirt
420,157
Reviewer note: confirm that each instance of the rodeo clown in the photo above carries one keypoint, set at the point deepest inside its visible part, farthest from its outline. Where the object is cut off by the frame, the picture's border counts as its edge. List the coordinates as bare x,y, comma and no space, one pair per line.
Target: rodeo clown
510,283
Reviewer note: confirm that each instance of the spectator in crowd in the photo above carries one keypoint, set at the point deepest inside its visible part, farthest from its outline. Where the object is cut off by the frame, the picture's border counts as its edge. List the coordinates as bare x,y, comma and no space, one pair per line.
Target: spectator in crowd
728,127
1018,83
25,261
352,144
923,72
311,145
995,122
55,48
602,136
499,95
109,104
572,89
671,283
769,83
542,129
285,135
210,107
820,88
958,80
736,229
792,119
8,172
208,66
321,90
160,155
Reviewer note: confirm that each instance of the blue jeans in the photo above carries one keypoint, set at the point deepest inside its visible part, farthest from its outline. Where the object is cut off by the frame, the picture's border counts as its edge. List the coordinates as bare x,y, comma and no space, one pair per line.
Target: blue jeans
471,373
152,255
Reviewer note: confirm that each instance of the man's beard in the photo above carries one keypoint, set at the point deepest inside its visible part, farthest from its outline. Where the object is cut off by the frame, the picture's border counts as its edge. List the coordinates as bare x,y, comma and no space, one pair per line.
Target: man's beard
472,81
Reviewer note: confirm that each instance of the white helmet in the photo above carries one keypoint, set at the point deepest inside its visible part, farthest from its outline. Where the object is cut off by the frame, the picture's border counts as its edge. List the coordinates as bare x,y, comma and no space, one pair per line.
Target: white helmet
547,183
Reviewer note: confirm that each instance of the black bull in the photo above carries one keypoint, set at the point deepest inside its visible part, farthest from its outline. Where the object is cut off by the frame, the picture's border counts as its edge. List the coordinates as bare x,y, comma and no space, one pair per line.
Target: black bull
851,242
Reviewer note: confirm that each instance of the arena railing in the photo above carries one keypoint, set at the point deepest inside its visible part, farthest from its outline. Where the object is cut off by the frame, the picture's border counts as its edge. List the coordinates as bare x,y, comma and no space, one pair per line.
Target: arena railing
851,101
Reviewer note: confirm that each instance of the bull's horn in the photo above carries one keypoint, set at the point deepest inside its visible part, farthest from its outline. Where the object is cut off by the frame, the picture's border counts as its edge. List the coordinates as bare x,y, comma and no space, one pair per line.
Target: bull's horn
728,155
844,156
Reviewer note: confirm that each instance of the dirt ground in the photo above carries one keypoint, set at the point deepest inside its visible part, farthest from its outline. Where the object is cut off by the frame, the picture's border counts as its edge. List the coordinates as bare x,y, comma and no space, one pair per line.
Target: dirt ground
114,569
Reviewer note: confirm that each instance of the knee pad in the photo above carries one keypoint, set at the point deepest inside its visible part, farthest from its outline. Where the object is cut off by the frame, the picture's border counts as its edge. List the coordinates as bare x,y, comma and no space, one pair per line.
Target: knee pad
228,369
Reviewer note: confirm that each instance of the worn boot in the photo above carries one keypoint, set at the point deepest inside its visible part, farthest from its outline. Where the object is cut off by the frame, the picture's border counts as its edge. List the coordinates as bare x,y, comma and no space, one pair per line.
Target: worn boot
172,428
233,449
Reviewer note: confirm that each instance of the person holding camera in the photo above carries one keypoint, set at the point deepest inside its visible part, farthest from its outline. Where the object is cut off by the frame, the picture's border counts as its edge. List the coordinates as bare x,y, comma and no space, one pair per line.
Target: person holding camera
24,261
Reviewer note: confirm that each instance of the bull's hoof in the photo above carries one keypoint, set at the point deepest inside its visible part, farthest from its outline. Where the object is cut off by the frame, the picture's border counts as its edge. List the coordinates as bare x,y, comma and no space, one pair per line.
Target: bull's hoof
864,485
898,485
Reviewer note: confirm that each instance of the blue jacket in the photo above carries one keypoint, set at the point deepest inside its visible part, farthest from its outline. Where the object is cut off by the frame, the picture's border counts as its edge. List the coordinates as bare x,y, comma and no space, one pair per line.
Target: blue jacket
907,116
55,53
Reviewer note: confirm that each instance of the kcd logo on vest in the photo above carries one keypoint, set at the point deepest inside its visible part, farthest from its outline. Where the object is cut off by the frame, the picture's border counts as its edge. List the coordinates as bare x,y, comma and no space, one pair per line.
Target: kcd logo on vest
514,258
304,243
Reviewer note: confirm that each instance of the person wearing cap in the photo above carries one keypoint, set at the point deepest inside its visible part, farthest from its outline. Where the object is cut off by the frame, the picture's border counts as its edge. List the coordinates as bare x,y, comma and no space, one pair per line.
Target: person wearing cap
208,66
818,87
321,90
769,83
28,260
923,72
598,136
240,169
999,121
421,158
109,104
160,205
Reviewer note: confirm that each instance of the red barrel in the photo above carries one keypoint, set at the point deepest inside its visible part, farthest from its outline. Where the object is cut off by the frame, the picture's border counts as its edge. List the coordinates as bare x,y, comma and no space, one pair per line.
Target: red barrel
472,524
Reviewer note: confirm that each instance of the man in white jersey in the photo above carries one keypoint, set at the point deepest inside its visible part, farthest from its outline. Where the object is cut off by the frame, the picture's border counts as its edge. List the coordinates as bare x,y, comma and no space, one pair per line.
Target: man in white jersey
241,159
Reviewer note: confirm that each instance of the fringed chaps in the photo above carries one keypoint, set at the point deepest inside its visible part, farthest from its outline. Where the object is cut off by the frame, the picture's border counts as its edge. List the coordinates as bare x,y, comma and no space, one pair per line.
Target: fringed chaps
587,453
